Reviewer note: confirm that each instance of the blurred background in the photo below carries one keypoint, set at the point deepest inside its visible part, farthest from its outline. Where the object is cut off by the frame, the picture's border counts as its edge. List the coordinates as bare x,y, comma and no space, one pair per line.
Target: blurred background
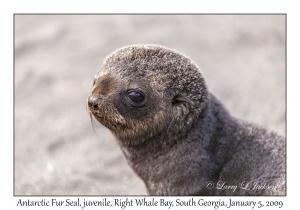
57,151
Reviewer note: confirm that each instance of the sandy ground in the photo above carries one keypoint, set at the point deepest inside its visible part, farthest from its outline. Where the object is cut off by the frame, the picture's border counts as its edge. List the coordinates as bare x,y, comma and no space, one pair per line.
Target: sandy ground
57,152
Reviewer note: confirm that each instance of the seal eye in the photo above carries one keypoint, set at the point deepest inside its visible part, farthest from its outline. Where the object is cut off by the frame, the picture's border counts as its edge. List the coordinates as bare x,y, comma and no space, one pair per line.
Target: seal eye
135,96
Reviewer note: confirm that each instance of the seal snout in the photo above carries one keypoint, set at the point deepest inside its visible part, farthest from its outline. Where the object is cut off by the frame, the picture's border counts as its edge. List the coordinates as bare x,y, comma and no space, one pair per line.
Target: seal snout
93,102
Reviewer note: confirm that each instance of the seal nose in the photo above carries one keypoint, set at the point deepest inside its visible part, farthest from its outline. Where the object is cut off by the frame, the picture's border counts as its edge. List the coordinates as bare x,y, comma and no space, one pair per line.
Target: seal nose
93,102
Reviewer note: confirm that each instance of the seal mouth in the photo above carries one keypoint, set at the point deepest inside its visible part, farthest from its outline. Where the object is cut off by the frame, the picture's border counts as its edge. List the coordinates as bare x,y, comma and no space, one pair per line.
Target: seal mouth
106,114
108,122
99,116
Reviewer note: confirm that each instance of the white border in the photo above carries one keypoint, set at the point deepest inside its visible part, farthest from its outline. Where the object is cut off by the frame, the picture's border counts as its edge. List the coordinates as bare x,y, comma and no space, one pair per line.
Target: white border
8,8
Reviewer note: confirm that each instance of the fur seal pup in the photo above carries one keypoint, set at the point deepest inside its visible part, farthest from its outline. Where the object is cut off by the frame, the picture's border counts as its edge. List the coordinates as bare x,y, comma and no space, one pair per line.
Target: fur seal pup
177,136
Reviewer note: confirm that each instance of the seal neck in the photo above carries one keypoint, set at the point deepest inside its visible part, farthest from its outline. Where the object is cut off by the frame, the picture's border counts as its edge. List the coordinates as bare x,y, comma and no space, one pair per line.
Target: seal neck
201,153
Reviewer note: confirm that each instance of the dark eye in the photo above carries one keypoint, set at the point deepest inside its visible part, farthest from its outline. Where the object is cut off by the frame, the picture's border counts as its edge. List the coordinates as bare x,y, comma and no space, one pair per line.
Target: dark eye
94,82
135,96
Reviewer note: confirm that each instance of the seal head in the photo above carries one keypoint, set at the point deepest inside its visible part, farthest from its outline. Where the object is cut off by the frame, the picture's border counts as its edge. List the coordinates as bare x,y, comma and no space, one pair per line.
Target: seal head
143,90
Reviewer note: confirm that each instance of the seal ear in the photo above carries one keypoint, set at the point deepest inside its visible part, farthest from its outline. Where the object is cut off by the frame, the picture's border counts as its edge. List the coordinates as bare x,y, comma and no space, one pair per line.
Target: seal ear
180,98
